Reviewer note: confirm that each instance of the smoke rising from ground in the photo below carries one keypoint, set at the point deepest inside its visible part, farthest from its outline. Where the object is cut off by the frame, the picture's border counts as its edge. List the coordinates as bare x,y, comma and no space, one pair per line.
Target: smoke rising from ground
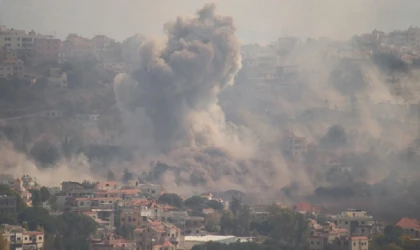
182,94
178,80
18,164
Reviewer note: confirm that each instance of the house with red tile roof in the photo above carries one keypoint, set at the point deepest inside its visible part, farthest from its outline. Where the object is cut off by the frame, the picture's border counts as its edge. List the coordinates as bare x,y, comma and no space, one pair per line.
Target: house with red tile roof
303,207
411,227
158,234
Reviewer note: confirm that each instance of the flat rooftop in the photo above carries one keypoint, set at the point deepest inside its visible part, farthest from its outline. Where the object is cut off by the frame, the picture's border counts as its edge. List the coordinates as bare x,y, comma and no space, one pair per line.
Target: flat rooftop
207,238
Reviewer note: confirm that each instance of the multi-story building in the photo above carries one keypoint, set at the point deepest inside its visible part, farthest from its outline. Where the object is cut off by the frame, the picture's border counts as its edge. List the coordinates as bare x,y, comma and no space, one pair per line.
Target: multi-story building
104,218
10,64
46,49
88,203
8,204
194,225
321,236
356,221
158,235
19,238
350,243
70,186
76,46
100,42
151,190
113,242
293,144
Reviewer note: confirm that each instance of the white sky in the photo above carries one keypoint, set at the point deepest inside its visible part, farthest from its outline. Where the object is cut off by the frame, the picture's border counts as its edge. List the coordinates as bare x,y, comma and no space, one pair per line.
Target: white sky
256,20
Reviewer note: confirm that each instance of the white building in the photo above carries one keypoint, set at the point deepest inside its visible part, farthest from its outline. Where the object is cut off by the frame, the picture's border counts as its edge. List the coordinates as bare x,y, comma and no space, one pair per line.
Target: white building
57,78
191,241
356,221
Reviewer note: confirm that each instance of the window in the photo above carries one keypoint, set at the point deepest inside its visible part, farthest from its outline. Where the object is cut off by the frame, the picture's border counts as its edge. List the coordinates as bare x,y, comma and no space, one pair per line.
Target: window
40,238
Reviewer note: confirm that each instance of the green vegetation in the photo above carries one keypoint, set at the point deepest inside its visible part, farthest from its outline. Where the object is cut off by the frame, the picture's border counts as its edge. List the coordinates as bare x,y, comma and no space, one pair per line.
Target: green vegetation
5,190
76,228
172,199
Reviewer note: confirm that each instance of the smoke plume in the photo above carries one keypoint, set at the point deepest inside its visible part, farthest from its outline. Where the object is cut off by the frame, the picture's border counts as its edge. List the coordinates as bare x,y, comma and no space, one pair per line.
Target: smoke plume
178,80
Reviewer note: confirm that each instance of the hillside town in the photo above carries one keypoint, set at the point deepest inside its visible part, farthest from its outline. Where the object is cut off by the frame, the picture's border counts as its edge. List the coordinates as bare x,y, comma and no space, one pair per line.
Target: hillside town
146,216
59,110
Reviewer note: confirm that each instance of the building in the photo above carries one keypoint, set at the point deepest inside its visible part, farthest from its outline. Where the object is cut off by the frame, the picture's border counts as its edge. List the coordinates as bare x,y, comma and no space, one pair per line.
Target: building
100,42
8,204
11,65
322,236
411,227
194,225
112,242
351,243
20,239
191,241
104,218
17,185
303,207
17,39
207,196
105,185
151,190
157,234
57,78
46,49
293,145
356,221
70,185
87,203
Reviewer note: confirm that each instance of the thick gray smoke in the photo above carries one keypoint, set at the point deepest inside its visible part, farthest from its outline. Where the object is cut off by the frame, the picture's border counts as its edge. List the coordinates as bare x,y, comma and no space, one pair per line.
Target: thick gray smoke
178,81
173,95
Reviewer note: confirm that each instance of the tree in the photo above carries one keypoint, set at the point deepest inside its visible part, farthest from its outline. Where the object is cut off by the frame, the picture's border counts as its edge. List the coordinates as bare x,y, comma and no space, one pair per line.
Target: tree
45,194
7,219
172,199
227,223
287,226
392,246
78,227
36,197
127,176
195,202
4,244
111,176
58,242
235,204
243,221
211,222
216,205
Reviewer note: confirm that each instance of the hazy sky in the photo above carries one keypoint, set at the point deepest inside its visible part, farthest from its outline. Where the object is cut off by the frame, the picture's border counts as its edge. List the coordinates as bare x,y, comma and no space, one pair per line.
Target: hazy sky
256,20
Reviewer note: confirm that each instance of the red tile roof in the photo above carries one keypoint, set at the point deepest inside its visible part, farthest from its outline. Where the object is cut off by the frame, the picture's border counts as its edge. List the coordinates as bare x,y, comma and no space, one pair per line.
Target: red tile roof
408,223
167,244
305,207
